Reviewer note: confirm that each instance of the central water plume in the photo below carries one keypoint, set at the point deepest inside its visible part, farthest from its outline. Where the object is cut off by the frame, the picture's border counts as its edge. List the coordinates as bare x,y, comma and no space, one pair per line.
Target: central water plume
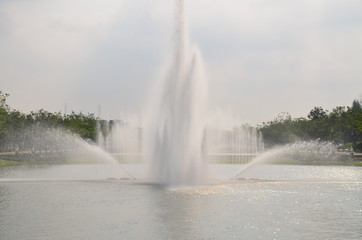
176,132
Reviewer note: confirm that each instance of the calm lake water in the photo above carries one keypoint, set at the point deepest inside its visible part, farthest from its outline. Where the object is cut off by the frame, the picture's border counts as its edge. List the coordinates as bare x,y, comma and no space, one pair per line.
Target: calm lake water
286,202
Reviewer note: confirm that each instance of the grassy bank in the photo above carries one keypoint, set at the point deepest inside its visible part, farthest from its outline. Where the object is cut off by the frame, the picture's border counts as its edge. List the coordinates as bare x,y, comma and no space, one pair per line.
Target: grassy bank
6,163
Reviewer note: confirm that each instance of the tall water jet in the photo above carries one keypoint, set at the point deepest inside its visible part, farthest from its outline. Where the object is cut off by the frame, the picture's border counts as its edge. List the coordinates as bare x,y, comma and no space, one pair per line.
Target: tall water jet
175,133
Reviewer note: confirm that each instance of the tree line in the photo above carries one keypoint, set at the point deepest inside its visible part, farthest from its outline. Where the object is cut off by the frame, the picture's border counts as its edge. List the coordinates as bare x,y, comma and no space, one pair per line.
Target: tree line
342,126
19,131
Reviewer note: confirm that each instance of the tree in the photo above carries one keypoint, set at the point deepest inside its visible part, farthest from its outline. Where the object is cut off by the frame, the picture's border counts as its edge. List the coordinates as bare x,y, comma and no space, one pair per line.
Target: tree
22,131
3,104
82,124
4,114
278,131
317,113
338,124
356,104
354,123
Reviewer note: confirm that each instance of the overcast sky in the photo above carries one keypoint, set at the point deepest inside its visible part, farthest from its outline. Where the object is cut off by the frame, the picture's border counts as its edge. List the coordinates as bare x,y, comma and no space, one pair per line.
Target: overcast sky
261,57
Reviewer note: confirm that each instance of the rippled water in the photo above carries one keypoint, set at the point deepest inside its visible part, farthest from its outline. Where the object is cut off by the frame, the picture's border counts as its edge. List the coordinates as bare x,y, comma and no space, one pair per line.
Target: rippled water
324,204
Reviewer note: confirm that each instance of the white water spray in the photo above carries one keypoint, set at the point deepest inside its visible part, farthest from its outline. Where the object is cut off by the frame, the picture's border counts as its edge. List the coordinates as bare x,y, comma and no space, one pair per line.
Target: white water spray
176,133
304,152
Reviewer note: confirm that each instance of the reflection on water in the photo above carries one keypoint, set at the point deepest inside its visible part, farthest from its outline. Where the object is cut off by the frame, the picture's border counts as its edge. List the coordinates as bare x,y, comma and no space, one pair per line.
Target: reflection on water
286,172
175,215
229,210
69,172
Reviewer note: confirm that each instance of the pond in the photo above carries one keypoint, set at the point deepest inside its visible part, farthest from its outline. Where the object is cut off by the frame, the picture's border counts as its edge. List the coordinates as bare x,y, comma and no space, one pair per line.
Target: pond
274,202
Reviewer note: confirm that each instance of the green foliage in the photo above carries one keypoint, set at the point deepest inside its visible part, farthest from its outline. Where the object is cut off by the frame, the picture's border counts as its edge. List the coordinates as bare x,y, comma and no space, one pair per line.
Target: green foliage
279,131
17,129
45,119
4,108
317,113
356,104
83,124
343,125
3,97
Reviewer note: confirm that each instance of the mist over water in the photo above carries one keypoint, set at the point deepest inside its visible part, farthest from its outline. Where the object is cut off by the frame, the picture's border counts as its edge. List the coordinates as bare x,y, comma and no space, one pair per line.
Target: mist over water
47,146
304,152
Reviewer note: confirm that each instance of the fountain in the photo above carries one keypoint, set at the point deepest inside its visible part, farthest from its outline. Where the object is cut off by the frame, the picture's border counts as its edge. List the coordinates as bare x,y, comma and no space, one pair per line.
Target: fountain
176,128
235,145
58,200
178,140
73,157
305,152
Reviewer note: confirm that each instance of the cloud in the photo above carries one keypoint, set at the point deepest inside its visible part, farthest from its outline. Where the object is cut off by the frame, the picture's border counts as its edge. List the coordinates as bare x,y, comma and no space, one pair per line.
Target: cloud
262,57
45,43
280,55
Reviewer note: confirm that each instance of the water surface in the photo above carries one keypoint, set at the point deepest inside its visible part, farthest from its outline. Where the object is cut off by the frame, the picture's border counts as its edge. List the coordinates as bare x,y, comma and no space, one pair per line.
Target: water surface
327,205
